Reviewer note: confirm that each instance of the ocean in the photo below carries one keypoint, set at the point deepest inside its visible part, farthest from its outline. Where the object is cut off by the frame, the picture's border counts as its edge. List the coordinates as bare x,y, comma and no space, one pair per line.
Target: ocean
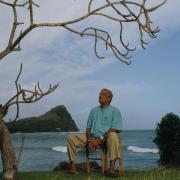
43,151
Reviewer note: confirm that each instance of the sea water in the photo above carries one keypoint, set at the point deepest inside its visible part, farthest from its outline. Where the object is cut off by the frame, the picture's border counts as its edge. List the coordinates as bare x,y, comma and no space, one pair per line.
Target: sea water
43,151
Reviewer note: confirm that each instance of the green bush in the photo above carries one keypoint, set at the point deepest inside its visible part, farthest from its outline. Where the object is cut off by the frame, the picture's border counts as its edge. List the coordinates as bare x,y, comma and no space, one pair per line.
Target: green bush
168,140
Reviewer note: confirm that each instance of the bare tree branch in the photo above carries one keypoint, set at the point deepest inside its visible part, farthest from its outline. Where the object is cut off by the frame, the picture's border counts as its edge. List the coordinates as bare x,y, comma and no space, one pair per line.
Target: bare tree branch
122,17
26,95
14,25
31,12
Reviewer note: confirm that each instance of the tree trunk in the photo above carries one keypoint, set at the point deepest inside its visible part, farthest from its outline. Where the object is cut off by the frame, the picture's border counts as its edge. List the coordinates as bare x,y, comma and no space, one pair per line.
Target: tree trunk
8,155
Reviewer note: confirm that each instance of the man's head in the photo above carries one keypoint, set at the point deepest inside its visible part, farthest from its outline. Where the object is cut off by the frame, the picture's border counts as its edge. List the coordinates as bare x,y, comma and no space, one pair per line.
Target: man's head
105,97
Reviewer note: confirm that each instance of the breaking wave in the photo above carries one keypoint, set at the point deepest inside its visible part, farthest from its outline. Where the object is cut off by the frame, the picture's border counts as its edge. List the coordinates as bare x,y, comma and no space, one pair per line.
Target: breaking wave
142,150
60,149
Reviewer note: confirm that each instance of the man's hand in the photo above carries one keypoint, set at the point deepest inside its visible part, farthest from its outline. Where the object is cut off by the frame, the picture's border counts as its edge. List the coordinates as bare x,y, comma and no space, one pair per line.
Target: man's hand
93,143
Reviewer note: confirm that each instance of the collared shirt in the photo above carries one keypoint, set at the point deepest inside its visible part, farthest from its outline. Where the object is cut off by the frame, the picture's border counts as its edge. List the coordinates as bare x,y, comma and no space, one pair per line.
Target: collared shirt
101,120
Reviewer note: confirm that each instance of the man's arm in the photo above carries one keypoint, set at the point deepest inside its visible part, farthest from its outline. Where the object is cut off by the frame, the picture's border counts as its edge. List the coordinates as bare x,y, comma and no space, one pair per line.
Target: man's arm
93,143
106,134
88,133
90,142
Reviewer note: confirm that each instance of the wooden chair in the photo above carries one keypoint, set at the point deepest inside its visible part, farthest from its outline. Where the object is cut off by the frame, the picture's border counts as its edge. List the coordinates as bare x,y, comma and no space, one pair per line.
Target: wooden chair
104,159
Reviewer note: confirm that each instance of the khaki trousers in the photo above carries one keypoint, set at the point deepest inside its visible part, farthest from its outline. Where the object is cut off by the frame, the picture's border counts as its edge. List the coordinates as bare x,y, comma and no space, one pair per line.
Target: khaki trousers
76,141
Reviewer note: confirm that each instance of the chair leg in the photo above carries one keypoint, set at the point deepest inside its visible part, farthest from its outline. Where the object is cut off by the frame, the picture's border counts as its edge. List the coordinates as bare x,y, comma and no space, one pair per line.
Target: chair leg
87,160
105,162
102,161
87,165
120,169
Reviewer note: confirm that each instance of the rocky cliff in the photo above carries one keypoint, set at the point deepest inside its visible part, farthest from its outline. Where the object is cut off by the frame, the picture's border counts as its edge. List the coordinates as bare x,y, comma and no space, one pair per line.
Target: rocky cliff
57,119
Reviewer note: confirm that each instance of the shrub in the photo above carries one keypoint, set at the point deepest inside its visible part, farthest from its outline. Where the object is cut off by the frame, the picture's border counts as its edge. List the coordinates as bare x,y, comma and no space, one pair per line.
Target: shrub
168,140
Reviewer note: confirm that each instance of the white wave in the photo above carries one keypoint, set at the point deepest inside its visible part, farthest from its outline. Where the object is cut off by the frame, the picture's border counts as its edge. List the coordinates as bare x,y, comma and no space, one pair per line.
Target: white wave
142,150
60,149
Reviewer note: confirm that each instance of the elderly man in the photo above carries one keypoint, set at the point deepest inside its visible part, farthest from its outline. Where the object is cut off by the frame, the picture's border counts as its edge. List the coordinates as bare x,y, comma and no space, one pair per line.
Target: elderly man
104,123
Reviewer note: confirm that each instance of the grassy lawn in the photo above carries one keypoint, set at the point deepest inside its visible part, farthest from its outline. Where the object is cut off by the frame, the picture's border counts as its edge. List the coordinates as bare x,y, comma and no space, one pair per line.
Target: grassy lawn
156,174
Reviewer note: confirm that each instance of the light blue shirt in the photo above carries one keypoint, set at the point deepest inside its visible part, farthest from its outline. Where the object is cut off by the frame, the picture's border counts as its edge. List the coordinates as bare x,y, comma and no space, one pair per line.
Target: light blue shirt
101,120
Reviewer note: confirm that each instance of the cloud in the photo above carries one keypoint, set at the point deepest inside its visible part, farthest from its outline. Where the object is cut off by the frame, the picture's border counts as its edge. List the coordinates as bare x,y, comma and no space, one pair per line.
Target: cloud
168,18
55,55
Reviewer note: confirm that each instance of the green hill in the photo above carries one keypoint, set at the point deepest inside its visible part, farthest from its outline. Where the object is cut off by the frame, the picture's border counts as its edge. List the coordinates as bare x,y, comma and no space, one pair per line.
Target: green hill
57,119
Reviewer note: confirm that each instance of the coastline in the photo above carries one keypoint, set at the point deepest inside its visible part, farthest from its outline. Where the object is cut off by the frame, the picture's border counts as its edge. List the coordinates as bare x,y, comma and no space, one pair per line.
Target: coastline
43,151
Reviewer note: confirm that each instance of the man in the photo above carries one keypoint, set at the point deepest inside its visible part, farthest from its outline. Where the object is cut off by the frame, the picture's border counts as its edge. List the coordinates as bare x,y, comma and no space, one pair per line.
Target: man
104,123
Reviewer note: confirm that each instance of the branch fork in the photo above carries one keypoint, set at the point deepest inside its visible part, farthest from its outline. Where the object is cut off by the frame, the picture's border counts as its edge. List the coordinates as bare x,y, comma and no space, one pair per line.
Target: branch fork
122,18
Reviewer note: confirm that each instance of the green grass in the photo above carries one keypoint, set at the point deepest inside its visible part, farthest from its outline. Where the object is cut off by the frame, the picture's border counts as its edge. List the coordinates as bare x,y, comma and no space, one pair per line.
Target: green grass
156,174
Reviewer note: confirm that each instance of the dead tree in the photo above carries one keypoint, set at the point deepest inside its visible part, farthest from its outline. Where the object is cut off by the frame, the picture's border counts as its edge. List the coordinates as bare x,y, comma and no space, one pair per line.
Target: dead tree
9,160
120,12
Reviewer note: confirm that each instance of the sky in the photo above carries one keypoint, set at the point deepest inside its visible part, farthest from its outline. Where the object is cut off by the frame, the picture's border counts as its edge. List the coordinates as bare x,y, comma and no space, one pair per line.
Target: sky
144,91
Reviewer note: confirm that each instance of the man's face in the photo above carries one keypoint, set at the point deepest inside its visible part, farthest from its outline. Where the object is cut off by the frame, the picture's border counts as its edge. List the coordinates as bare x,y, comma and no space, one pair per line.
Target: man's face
104,97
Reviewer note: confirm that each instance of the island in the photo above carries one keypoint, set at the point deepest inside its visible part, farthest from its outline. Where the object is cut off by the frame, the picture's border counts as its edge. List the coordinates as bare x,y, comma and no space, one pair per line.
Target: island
57,119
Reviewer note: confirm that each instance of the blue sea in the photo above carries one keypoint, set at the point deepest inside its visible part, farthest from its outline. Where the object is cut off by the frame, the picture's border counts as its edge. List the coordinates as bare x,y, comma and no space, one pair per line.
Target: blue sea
43,151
